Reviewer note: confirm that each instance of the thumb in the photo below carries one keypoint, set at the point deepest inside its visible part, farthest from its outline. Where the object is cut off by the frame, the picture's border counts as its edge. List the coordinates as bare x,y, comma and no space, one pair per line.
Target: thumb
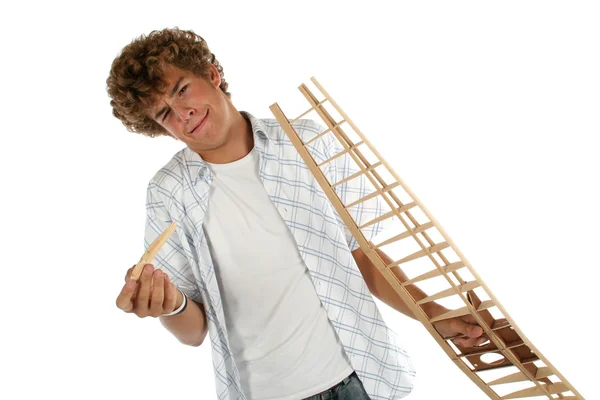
473,331
469,330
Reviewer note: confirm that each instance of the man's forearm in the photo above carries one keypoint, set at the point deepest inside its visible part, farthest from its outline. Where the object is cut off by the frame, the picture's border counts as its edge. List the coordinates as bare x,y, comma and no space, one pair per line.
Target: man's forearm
389,296
190,326
382,289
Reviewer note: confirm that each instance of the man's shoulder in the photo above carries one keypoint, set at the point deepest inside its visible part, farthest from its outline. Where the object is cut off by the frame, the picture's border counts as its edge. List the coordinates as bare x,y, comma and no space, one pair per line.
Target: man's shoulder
306,129
169,177
304,126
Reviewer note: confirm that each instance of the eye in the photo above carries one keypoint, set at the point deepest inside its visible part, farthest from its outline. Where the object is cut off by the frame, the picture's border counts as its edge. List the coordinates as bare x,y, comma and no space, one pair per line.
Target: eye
183,89
165,116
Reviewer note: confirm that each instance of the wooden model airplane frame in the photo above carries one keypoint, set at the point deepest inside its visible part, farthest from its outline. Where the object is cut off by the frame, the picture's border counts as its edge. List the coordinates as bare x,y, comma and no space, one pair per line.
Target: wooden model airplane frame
524,371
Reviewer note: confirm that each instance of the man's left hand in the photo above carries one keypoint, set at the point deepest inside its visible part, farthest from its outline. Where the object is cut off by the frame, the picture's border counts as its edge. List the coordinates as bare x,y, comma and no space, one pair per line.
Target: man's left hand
464,326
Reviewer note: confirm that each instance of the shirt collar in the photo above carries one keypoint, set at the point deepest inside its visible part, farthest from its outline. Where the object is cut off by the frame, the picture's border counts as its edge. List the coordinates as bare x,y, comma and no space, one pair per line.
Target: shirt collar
198,167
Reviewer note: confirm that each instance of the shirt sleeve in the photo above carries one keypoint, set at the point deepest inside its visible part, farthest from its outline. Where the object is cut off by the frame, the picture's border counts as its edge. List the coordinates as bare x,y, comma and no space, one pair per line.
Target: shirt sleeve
171,258
348,192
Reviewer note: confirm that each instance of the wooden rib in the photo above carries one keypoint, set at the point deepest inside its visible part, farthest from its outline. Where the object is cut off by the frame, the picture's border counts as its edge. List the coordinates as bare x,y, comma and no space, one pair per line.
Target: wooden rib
362,171
433,273
485,305
449,292
515,344
374,194
152,251
387,215
502,323
341,153
307,111
459,312
543,372
396,238
489,348
405,234
529,360
512,378
421,253
316,137
553,388
324,132
423,227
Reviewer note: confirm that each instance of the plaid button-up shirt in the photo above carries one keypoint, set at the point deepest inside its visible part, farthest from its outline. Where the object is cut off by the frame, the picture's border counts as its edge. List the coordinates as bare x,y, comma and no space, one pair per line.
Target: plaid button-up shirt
179,192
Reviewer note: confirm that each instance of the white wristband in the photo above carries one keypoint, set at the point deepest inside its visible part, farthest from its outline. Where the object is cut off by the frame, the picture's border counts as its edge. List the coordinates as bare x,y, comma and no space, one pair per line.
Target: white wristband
181,307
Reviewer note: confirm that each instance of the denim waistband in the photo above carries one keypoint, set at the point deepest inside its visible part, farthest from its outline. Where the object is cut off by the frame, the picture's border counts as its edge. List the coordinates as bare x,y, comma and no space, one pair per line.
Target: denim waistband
333,389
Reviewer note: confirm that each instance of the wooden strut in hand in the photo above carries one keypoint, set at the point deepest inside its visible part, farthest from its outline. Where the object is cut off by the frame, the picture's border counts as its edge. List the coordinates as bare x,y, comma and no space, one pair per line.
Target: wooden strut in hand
152,251
519,370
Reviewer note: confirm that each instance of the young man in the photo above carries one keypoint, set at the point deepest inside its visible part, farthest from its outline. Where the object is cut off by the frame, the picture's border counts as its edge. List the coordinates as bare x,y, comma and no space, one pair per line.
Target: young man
260,258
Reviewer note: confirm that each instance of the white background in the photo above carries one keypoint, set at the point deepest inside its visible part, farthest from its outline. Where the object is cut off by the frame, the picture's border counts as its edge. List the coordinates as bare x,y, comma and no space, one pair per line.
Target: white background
488,111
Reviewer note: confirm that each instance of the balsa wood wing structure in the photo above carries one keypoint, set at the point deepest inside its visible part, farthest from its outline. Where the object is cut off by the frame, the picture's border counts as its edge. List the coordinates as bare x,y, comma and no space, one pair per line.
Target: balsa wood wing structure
508,366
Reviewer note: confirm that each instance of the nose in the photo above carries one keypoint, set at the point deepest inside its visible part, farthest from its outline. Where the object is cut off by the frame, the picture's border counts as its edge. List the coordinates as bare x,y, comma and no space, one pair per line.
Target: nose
185,113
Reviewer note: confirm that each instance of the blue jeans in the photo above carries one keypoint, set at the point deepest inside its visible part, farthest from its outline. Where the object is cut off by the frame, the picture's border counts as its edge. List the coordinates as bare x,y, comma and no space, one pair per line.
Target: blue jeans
351,388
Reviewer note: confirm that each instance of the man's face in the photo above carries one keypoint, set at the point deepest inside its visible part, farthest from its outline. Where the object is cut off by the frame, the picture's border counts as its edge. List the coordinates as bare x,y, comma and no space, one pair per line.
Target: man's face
194,110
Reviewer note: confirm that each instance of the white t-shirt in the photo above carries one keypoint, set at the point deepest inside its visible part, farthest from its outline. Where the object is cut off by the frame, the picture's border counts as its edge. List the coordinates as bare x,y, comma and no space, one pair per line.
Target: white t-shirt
282,340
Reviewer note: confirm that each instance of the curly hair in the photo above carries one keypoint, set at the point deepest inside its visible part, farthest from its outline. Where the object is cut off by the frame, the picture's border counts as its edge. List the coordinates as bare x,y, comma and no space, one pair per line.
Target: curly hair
136,77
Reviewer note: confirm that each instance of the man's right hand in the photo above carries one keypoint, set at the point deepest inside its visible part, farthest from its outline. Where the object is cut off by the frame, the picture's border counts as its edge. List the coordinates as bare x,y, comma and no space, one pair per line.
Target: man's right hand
152,296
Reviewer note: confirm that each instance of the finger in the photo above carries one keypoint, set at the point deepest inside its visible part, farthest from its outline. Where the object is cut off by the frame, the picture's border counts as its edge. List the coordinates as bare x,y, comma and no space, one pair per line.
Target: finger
125,298
469,319
464,342
473,342
473,331
142,302
157,297
170,295
467,329
128,274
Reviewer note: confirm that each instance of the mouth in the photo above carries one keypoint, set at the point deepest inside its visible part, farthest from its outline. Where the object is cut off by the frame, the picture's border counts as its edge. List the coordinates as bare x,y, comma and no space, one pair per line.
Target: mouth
200,124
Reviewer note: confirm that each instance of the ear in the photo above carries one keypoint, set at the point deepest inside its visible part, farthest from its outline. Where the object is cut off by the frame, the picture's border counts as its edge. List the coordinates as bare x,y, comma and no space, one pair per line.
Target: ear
215,77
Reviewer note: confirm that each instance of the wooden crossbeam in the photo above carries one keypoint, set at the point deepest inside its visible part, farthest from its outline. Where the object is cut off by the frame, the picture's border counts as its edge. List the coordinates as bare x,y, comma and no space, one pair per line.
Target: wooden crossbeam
390,214
421,253
341,153
434,273
374,194
325,132
449,292
459,312
406,234
357,174
307,111
543,372
538,391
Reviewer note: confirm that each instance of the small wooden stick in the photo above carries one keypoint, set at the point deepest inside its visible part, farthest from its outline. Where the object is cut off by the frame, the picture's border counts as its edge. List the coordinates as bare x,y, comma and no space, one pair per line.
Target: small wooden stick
152,251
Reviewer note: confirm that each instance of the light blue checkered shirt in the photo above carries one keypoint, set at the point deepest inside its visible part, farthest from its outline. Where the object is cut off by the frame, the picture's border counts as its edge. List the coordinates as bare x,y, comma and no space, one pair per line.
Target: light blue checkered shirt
179,192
